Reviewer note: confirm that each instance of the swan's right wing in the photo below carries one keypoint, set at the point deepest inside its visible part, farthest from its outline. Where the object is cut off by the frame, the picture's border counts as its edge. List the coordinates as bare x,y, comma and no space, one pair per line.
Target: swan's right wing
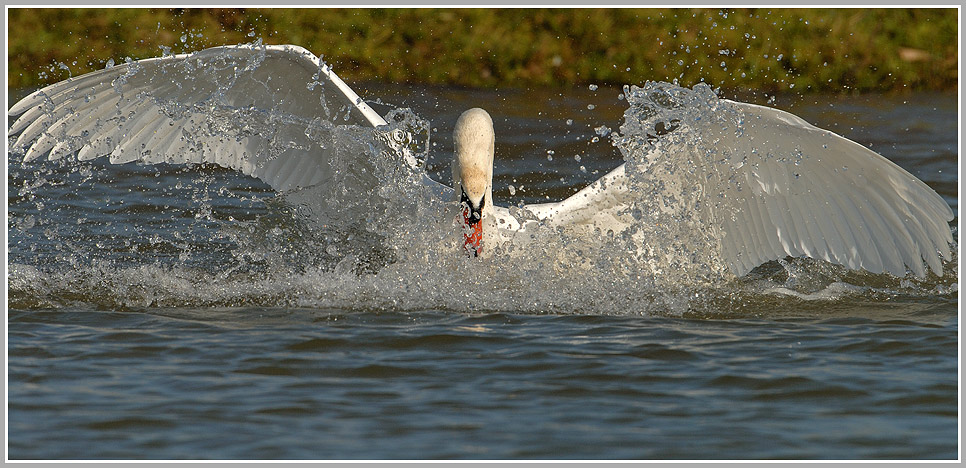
268,111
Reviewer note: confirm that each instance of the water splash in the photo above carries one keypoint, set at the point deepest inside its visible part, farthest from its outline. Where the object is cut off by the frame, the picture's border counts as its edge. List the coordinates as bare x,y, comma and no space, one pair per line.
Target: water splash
672,222
373,236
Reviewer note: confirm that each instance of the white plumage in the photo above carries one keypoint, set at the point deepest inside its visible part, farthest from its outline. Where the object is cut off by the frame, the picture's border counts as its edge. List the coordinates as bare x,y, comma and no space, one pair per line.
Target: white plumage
775,185
168,109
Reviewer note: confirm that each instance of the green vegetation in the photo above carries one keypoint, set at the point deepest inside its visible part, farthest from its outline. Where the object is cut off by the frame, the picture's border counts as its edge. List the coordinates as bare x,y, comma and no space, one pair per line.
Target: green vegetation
804,50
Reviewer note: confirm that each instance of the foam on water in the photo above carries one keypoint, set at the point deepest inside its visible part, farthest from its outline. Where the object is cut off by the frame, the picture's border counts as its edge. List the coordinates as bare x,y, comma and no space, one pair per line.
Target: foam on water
376,237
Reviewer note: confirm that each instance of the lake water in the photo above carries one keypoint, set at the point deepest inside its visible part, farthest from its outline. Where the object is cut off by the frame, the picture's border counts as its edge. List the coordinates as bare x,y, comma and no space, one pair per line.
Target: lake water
163,312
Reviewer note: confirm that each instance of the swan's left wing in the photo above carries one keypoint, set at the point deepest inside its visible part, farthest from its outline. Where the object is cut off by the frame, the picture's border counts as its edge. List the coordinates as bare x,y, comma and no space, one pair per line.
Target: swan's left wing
772,185
766,184
601,205
267,111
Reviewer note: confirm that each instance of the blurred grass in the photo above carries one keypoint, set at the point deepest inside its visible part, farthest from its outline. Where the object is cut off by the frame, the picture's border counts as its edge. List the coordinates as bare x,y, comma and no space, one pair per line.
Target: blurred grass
803,50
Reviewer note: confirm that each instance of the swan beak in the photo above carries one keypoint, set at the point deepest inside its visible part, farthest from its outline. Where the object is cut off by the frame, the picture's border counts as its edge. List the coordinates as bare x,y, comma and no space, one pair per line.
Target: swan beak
472,225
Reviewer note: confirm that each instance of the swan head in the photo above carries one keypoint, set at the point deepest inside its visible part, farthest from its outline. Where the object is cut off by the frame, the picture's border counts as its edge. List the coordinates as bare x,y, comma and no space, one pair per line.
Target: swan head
473,141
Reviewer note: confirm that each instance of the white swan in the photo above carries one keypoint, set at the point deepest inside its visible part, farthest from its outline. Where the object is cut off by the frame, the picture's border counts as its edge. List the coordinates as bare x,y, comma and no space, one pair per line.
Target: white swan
836,200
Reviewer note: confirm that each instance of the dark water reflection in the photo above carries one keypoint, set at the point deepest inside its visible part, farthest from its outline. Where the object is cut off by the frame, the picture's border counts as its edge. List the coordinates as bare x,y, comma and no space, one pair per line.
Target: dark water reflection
264,383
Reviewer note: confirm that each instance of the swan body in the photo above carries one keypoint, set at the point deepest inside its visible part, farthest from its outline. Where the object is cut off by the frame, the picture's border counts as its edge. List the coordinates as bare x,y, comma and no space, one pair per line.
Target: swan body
838,201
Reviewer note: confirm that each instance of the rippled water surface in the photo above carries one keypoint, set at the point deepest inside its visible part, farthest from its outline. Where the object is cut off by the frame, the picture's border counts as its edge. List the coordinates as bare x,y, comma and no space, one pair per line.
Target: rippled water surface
162,312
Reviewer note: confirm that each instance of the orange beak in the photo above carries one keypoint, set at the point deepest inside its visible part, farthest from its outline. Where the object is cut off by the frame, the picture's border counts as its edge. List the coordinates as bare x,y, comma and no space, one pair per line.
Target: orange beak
472,231
472,225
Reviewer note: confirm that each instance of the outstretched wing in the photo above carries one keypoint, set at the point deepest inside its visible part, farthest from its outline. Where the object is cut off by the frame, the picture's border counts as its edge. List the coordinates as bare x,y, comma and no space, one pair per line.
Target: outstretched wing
766,184
602,204
782,186
267,111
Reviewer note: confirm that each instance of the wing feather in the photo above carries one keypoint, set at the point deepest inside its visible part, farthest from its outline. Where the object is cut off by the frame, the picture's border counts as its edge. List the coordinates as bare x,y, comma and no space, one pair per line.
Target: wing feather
775,185
242,107
843,203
